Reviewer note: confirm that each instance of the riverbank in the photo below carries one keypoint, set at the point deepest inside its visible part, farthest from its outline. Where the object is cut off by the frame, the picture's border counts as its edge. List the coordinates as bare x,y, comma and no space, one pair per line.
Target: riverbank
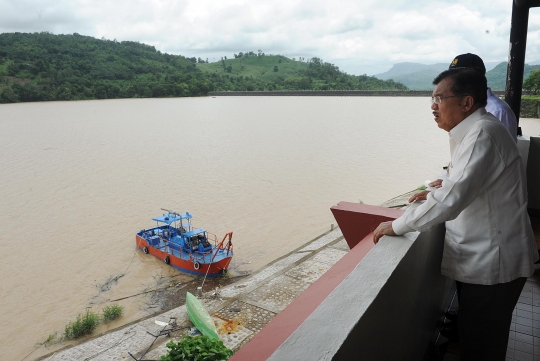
240,308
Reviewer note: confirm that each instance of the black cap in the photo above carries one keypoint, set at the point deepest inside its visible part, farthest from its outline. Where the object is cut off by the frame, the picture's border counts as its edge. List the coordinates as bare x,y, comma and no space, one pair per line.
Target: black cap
471,61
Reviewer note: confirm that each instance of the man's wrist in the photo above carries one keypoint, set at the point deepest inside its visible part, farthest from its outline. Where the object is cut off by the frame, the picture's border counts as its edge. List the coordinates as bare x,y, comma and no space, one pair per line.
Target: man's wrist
400,227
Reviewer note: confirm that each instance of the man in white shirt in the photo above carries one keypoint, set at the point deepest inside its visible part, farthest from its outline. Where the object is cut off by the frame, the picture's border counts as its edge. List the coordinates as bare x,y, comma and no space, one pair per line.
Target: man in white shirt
496,106
489,247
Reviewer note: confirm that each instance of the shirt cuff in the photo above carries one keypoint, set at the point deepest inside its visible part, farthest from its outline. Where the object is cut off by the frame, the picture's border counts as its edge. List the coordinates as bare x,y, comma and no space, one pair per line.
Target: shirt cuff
400,227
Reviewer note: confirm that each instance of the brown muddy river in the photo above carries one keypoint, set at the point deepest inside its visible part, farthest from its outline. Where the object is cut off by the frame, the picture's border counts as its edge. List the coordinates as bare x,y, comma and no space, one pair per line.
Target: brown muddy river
79,179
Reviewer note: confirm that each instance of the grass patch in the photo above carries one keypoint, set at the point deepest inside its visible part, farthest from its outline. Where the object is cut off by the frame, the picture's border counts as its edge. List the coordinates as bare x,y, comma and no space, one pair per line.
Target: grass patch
259,67
421,188
83,325
529,108
112,312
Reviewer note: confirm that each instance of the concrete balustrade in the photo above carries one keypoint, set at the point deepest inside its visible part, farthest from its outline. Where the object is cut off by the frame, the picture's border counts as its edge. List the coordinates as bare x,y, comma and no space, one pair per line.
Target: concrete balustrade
383,303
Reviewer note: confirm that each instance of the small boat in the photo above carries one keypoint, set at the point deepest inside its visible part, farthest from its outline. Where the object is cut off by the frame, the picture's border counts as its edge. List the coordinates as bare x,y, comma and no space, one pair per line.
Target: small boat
188,249
200,317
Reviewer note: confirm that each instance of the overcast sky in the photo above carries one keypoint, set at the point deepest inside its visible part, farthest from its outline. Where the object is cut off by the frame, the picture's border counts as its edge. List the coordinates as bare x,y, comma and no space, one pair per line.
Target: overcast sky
359,36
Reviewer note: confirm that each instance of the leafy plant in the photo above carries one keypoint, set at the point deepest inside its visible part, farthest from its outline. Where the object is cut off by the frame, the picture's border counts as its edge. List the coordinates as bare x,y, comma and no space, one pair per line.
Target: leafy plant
200,348
421,188
83,325
112,312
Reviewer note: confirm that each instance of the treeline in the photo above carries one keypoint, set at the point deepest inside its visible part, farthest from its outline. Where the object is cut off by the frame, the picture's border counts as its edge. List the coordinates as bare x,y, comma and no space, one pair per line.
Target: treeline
327,76
43,66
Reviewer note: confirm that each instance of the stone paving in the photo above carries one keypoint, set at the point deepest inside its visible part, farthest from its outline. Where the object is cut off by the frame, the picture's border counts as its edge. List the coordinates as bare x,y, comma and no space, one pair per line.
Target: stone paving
239,311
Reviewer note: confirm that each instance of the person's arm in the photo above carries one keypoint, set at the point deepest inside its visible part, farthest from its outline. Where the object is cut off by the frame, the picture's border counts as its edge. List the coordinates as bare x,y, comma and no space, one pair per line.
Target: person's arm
483,164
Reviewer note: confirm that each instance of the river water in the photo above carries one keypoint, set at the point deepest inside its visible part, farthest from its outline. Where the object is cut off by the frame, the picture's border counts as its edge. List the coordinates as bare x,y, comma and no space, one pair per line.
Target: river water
79,179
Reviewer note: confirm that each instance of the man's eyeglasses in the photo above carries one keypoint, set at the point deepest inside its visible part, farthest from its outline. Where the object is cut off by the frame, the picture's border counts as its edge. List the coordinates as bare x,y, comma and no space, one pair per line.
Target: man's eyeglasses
439,98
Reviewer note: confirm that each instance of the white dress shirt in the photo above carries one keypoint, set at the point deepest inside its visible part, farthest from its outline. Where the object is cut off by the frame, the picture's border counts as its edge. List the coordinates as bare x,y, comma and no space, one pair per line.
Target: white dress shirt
483,201
503,112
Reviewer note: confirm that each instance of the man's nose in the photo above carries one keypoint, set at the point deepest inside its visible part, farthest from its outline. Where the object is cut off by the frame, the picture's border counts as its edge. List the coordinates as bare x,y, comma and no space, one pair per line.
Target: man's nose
434,106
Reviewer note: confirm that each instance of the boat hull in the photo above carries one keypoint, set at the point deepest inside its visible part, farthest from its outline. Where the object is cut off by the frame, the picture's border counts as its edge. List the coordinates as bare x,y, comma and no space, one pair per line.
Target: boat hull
190,263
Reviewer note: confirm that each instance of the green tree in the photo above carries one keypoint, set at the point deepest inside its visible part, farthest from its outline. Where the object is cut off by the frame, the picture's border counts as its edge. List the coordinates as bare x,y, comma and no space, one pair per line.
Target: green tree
532,83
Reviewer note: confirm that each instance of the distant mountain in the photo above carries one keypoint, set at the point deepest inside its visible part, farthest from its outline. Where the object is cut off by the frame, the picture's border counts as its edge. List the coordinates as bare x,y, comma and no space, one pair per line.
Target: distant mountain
401,69
420,76
414,75
491,64
497,77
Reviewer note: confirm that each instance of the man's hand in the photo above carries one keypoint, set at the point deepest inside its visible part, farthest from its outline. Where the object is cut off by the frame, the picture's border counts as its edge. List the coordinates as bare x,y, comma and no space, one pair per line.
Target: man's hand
384,229
420,196
437,183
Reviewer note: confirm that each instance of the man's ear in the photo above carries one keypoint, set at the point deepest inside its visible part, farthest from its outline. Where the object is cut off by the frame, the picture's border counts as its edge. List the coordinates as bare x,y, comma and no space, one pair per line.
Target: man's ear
468,103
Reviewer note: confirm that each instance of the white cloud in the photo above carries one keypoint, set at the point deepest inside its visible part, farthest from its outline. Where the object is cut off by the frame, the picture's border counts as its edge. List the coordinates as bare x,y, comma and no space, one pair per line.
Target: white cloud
360,37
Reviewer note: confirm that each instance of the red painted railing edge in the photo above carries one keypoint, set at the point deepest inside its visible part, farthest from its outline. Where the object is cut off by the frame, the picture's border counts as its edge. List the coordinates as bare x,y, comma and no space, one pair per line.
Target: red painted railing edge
354,225
264,343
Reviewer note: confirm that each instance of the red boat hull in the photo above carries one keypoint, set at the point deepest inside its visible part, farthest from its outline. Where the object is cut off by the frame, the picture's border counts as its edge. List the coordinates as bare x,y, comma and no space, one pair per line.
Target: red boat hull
186,265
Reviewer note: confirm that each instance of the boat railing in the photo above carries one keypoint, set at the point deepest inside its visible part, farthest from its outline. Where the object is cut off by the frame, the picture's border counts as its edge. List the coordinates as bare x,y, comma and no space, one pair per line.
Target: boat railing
228,247
211,238
165,245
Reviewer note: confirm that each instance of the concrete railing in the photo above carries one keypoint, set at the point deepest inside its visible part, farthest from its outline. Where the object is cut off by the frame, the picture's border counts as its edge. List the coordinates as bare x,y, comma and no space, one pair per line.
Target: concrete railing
378,302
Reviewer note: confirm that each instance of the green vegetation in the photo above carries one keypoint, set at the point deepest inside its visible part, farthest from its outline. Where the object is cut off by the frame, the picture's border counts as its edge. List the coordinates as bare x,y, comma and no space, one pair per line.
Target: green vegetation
529,107
200,348
43,66
277,72
112,312
497,76
50,339
532,83
86,323
83,325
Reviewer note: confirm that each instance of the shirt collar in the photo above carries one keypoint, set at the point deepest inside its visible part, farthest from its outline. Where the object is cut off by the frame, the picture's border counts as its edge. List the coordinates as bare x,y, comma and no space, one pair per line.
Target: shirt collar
489,92
458,132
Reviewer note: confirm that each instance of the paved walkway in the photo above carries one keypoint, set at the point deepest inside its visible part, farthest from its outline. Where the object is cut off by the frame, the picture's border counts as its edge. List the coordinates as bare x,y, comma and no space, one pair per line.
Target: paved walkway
240,310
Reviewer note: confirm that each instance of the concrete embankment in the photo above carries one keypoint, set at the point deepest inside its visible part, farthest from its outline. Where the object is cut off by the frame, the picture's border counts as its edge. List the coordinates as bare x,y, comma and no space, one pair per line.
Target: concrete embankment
332,93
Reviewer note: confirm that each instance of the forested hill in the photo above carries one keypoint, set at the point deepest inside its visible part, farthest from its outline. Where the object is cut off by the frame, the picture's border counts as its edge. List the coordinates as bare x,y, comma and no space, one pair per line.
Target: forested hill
44,66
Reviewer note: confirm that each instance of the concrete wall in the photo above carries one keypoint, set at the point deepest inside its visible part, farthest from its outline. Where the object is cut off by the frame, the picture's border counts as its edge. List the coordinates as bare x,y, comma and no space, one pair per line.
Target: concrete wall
358,229
386,309
379,302
326,93
407,307
333,93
